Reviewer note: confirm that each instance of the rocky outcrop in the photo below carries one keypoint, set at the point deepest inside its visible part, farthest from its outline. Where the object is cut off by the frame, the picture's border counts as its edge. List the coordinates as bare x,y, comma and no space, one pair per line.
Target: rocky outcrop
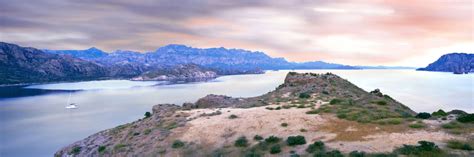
457,63
188,72
155,135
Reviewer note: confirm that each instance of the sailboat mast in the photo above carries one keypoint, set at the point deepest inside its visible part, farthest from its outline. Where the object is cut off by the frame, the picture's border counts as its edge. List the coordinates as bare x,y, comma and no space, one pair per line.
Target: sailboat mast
68,99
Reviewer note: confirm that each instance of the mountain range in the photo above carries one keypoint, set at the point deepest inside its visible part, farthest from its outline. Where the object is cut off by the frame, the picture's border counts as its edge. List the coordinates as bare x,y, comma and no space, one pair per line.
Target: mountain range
457,63
30,65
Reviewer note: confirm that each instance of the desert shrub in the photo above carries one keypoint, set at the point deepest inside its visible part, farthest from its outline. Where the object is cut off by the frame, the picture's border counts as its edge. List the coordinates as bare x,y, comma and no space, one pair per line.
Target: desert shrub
295,140
177,144
317,146
455,144
257,138
272,139
147,114
334,153
392,121
381,102
301,106
101,149
424,148
233,116
262,145
75,150
335,101
241,142
284,124
451,125
357,154
136,133
303,130
304,96
466,118
251,153
312,112
119,146
439,113
275,149
423,115
416,125
147,131
278,108
269,108
325,92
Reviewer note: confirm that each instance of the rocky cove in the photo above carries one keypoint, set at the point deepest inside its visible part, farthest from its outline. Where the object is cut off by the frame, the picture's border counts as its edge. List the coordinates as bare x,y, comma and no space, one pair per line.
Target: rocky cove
321,108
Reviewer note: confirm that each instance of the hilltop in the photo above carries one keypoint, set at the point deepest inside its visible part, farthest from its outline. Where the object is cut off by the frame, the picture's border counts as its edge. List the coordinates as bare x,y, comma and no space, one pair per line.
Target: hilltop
458,63
320,114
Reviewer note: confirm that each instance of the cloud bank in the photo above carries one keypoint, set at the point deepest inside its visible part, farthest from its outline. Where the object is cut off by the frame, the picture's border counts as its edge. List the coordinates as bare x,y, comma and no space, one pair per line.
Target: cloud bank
363,32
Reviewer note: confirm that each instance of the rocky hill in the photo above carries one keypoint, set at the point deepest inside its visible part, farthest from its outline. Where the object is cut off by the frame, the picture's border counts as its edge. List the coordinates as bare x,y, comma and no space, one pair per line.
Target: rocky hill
310,114
458,63
28,65
187,72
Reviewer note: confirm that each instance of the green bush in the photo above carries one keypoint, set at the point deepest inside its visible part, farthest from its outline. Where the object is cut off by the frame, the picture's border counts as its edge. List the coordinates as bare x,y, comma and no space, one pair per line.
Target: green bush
295,140
101,149
466,118
284,124
272,139
416,125
304,96
381,102
278,108
75,150
177,144
335,101
424,148
334,153
317,146
423,115
257,138
454,144
147,114
275,149
357,154
241,142
439,113
233,116
451,125
301,106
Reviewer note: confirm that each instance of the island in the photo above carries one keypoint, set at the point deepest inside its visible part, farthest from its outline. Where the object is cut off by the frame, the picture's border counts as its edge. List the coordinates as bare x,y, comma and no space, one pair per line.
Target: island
308,115
457,63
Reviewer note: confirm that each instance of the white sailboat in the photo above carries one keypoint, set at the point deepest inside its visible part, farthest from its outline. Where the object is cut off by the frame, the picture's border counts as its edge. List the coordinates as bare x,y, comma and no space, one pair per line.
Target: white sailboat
70,105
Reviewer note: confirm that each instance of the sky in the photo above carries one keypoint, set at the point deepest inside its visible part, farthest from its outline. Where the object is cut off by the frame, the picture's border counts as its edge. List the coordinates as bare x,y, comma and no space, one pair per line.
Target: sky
362,32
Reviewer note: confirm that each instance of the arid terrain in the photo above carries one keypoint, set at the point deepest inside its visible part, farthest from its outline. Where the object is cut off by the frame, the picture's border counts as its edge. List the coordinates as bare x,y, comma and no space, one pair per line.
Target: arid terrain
310,114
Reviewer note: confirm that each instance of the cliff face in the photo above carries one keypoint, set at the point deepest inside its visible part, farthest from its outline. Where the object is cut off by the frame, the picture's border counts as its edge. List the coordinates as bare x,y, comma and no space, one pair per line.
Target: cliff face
26,65
457,63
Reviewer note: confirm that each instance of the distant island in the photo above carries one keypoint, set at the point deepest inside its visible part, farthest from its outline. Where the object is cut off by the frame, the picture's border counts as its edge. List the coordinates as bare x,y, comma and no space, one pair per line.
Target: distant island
309,115
457,63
